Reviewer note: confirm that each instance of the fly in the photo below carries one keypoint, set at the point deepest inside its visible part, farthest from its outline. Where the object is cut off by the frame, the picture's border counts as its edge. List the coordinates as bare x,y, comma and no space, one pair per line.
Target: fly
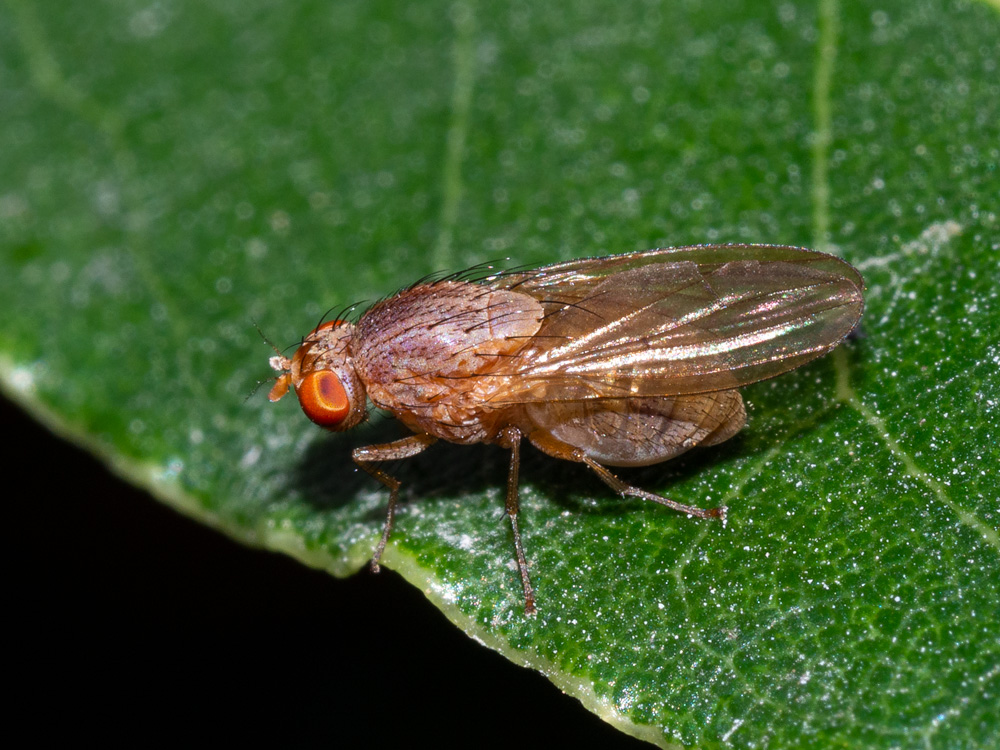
623,360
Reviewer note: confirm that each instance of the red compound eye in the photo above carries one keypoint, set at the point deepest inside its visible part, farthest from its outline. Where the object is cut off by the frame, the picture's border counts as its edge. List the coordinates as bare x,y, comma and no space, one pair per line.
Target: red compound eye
323,398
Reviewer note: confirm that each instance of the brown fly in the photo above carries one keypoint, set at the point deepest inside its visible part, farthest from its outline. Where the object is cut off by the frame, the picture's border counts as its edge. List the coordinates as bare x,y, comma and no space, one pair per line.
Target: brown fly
626,360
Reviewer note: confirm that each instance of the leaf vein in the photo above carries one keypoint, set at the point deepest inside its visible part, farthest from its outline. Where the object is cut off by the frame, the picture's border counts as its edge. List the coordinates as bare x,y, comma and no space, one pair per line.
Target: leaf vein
846,393
464,57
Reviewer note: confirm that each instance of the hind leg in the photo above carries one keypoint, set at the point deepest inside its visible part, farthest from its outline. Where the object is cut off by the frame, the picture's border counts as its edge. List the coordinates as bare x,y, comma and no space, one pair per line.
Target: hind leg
550,445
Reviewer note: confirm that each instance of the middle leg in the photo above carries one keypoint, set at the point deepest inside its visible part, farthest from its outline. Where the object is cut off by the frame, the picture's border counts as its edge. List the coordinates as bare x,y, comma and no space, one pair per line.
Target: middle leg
511,438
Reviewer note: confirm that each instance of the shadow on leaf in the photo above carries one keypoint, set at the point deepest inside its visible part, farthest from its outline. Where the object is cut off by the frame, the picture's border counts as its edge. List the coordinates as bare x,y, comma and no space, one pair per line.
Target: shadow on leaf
329,479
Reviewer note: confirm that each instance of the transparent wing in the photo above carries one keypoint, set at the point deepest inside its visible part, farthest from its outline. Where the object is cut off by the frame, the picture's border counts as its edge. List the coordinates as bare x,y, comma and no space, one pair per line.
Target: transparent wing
679,320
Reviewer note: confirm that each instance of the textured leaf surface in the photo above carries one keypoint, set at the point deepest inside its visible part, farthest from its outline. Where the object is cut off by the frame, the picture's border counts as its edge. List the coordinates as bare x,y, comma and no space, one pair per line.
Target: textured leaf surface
171,171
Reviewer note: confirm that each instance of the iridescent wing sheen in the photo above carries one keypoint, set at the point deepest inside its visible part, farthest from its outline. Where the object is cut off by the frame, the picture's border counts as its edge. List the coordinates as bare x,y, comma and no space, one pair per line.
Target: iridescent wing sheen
678,320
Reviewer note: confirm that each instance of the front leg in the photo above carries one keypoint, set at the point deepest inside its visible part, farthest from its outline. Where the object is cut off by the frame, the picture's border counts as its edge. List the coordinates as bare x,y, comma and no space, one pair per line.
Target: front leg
369,455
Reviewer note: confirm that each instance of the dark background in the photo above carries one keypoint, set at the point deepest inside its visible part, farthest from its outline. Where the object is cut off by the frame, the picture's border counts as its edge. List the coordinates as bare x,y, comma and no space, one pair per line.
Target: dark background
133,622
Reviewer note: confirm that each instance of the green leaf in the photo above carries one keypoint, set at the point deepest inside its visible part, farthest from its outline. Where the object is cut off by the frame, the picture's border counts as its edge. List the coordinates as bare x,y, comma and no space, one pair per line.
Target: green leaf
173,171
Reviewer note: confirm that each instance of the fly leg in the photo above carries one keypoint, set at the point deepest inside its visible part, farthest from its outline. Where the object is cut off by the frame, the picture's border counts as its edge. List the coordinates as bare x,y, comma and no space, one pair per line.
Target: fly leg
554,447
510,438
368,456
627,490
